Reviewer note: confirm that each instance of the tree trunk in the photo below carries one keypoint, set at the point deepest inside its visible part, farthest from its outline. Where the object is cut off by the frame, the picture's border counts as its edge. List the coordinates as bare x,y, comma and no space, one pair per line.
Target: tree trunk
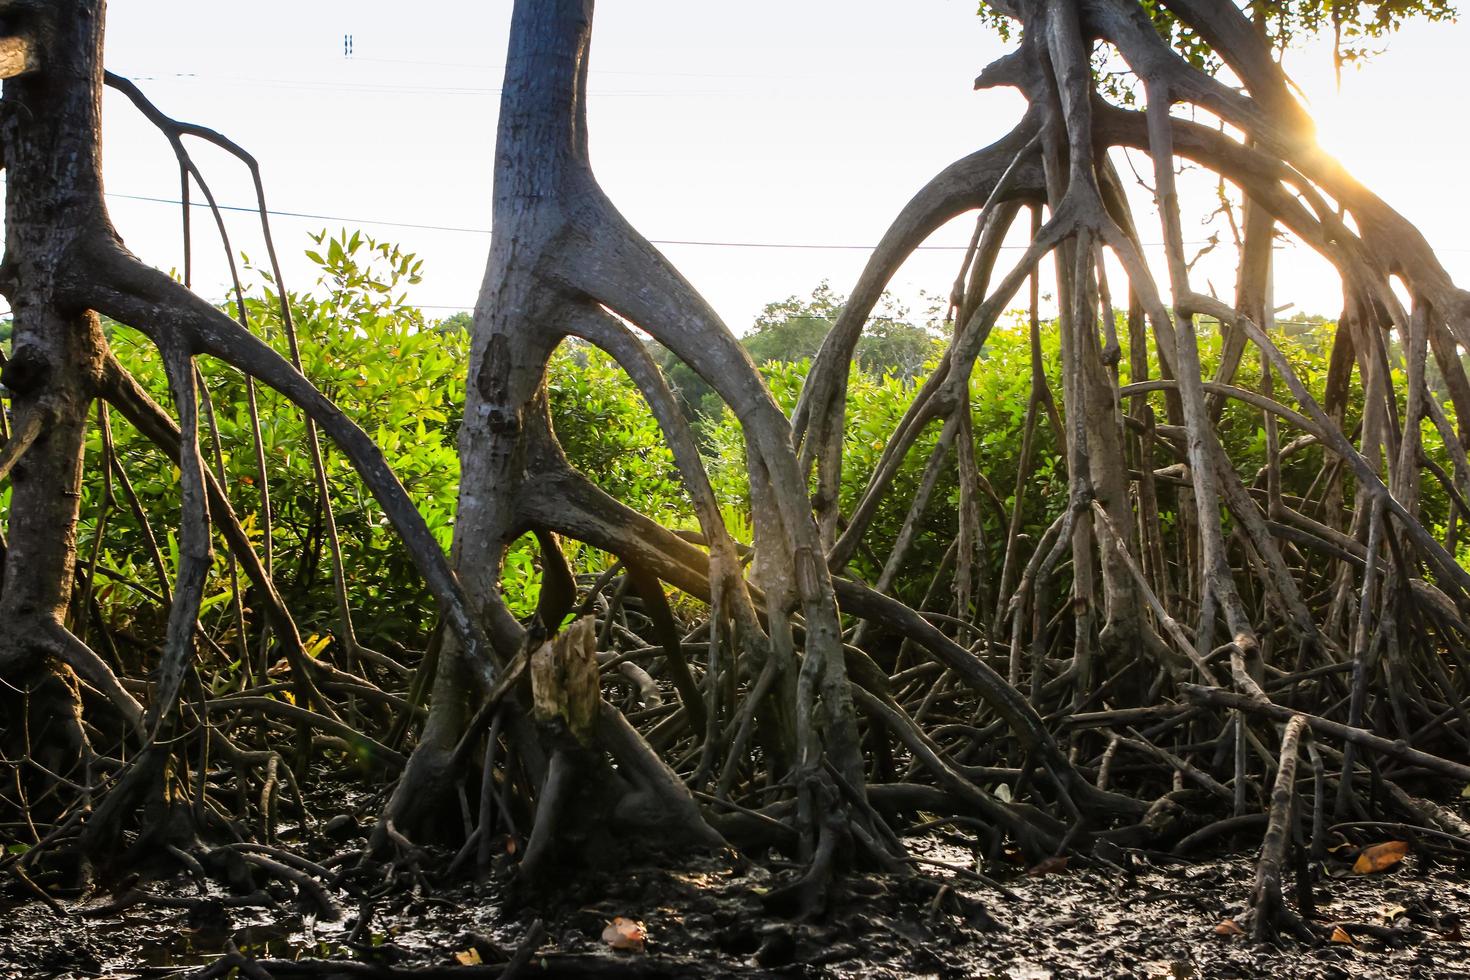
49,125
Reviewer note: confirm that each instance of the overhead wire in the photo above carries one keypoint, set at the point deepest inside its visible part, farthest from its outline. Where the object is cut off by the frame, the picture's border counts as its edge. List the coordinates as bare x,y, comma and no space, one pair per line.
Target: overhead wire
464,229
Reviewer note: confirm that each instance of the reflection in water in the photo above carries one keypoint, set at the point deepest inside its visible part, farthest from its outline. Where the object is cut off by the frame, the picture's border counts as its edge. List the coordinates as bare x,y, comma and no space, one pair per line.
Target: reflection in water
286,940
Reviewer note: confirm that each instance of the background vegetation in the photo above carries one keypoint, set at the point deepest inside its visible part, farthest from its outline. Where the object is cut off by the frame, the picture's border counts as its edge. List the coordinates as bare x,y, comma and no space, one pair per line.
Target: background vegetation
401,377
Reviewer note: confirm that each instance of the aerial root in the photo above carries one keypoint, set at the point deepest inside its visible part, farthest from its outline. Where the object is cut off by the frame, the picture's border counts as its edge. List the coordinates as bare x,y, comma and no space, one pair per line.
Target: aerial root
1269,913
1170,621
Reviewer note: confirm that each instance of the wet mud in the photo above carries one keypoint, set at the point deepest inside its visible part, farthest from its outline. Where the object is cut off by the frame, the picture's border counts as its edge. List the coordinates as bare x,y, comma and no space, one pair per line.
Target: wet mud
1142,916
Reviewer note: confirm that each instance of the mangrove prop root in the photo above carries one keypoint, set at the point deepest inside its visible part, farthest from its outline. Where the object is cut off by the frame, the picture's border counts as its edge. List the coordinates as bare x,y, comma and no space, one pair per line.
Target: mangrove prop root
1175,632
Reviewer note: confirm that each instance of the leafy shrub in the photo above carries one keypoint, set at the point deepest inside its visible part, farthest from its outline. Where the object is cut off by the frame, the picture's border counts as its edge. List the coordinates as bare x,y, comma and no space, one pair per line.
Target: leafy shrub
375,356
402,379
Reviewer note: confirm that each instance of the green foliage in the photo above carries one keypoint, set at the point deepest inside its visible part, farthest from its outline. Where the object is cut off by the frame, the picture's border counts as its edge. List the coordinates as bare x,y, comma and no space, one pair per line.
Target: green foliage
1359,29
876,402
1357,25
402,379
460,322
607,430
375,356
792,330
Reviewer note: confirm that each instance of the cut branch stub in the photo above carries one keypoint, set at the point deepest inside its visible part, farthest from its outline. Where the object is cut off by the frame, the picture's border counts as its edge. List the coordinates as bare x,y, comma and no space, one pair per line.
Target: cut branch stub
564,680
17,56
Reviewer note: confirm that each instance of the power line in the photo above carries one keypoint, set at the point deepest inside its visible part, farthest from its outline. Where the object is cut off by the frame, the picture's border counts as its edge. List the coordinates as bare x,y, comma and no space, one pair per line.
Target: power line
463,229
469,307
825,319
497,70
389,88
301,214
500,69
485,231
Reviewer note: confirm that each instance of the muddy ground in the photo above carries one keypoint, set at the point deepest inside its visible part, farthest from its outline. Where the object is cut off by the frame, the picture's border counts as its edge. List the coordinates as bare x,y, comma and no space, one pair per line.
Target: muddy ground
1154,918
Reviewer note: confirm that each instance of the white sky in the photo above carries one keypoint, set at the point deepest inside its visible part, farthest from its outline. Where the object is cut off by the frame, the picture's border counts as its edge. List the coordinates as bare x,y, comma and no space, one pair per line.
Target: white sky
801,121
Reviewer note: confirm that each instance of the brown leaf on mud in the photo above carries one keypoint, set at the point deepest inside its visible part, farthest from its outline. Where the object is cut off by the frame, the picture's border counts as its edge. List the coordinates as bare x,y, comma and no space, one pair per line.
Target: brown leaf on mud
1229,928
1379,857
1391,913
1050,866
1340,935
469,957
625,934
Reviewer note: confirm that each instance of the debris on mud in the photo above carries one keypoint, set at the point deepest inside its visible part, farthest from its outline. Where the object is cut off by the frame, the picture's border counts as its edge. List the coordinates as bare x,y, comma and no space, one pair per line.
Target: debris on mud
1148,917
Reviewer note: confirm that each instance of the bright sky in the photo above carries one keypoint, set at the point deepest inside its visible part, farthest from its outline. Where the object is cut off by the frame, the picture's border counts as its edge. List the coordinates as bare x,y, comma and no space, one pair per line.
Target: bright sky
769,122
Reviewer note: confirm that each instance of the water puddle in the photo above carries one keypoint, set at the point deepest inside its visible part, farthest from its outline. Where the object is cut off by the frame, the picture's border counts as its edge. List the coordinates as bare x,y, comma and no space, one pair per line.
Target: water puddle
184,947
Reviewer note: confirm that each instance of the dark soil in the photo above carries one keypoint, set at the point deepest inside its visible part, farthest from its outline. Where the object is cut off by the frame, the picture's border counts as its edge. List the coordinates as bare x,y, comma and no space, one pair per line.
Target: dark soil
1139,917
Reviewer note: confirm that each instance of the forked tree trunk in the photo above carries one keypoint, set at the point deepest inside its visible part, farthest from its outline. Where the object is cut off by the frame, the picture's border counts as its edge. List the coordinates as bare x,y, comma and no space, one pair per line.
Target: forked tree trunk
546,208
49,124
64,264
564,263
1337,600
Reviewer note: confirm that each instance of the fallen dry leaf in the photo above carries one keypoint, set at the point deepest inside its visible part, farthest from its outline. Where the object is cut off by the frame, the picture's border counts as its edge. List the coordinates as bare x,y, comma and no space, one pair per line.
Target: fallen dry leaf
1050,866
1378,857
1229,928
1392,912
626,934
1340,935
469,957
